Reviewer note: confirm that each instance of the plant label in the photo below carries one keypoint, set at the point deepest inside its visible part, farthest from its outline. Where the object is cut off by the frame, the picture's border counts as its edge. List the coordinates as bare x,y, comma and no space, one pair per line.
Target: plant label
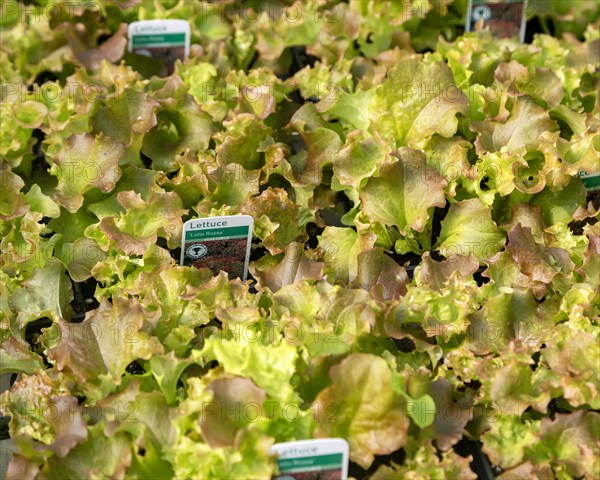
591,181
505,19
324,459
218,243
167,40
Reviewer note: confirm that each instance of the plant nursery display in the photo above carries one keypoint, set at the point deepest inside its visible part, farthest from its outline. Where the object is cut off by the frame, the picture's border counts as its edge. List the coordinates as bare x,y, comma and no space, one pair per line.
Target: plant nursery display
411,263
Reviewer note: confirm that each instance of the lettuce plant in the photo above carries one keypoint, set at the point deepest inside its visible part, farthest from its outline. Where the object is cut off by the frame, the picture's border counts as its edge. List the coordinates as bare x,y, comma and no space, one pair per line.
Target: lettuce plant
425,254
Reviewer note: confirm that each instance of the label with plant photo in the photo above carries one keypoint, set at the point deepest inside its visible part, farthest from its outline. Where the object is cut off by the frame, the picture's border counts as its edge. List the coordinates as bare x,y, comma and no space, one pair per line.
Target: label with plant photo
505,19
218,243
166,40
324,459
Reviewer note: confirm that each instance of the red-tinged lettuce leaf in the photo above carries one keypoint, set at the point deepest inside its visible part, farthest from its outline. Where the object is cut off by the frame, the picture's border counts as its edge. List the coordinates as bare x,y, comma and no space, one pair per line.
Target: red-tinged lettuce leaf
338,249
588,211
468,229
352,109
168,91
191,181
221,419
276,219
590,269
368,411
542,164
22,468
437,274
275,33
325,321
403,192
98,349
526,122
505,316
117,272
228,185
84,162
360,158
23,247
38,201
220,292
380,275
181,126
149,462
126,117
509,439
423,461
242,141
442,312
16,357
271,366
511,386
70,107
526,337
78,253
70,431
161,290
300,299
527,470
568,443
496,176
516,80
42,410
451,416
236,317
248,459
30,113
449,158
528,216
142,222
538,263
322,145
12,204
46,293
258,92
16,144
98,456
573,355
133,179
167,369
418,99
566,18
559,206
580,154
324,81
294,266
340,28
143,414
111,50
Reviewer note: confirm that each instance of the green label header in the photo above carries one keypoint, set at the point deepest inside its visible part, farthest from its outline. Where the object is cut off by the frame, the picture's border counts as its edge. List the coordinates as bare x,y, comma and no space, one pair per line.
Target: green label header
158,39
215,233
591,182
318,462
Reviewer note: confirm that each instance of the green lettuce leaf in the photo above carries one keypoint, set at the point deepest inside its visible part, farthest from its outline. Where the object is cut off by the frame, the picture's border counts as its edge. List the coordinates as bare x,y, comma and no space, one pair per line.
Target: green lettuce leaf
97,350
403,192
368,413
84,162
468,229
418,99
